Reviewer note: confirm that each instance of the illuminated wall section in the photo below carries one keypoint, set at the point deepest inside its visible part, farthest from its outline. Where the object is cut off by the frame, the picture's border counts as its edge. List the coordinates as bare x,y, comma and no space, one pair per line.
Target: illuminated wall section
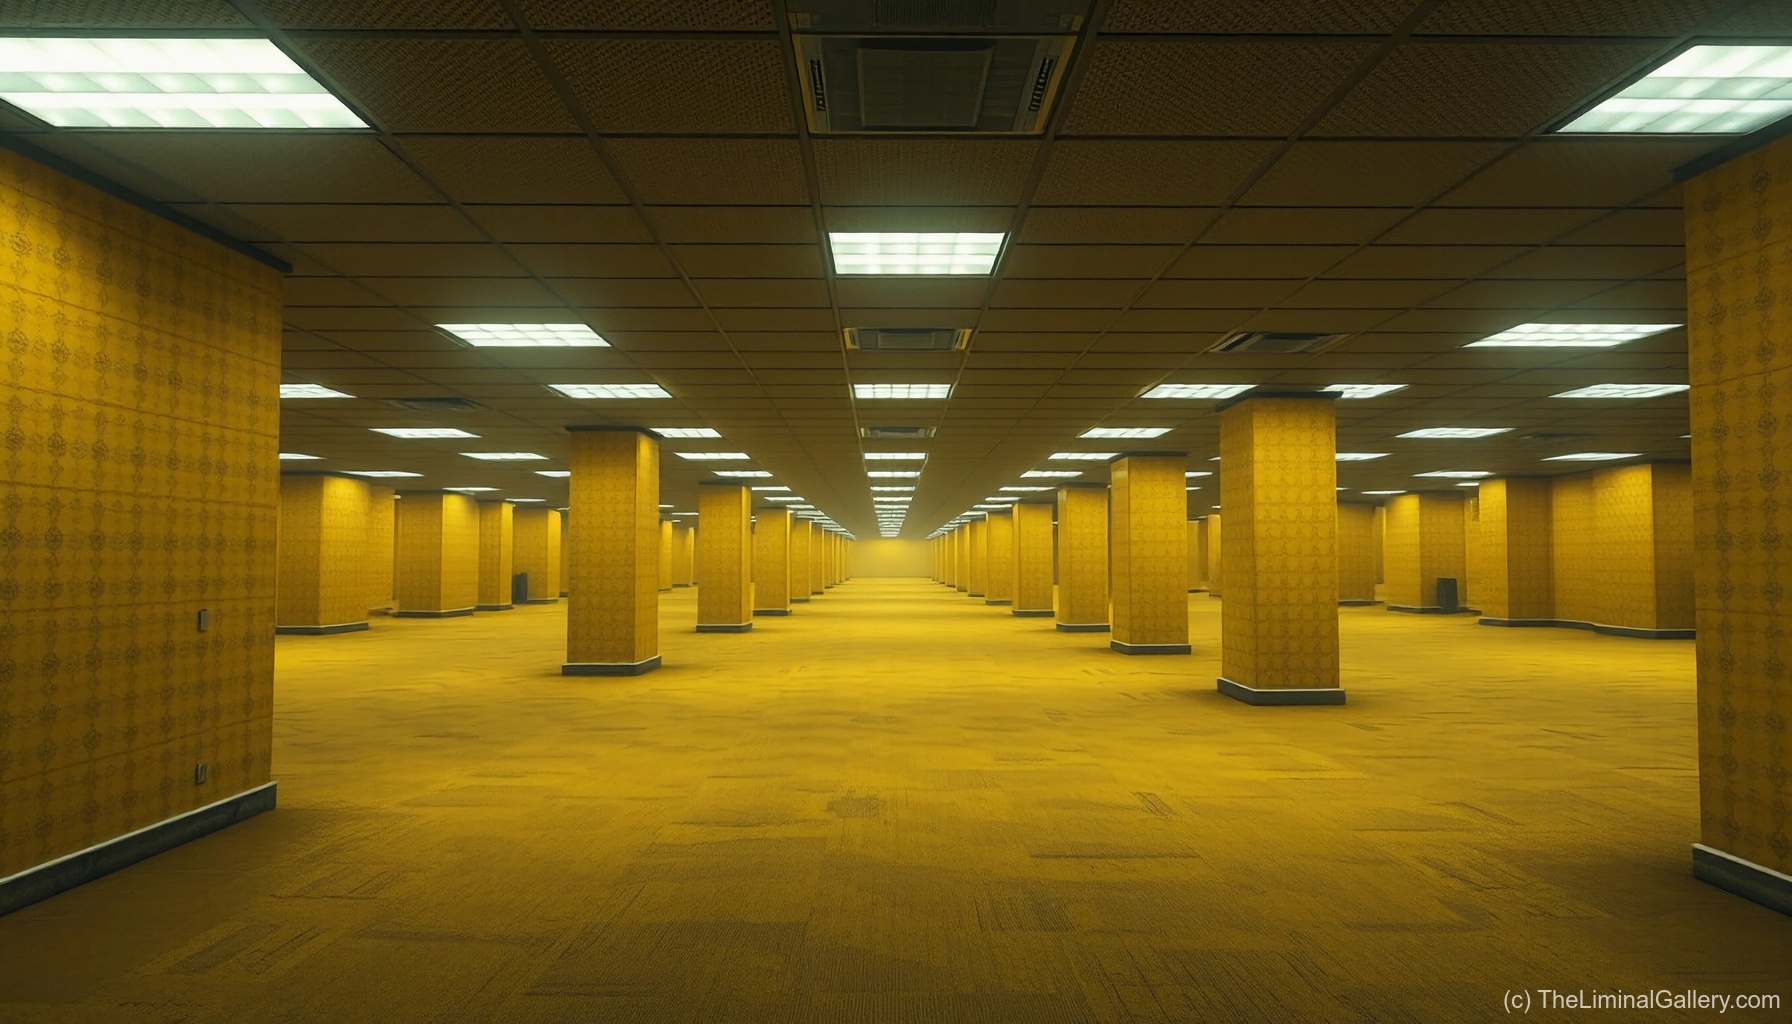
1381,532
1194,577
1148,553
141,488
1032,559
563,548
1356,553
1739,303
683,555
665,554
438,555
1424,543
771,561
1082,558
890,557
976,534
802,534
1216,557
382,525
613,603
1202,569
1517,586
818,559
322,586
999,545
1279,621
1474,559
496,539
536,551
724,559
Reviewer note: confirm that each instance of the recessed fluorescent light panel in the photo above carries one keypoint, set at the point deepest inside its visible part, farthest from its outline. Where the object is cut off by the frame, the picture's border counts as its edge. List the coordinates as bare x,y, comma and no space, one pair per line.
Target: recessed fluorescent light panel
525,499
421,432
1469,483
1363,390
895,456
1591,457
1026,489
782,497
909,391
744,474
504,456
1706,90
713,456
1455,432
771,487
990,508
1570,335
1197,472
904,488
1456,474
311,391
893,474
1001,497
1086,456
1050,474
380,473
930,254
611,390
1384,492
1624,391
686,431
165,83
290,456
470,490
1125,432
526,335
1359,456
1208,391
559,474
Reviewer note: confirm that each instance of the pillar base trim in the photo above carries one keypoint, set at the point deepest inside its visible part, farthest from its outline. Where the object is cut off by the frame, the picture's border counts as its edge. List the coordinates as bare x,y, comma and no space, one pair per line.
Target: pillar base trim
542,600
1032,613
1084,627
493,607
724,627
446,613
610,668
973,593
997,600
1214,594
1634,632
665,590
771,611
1126,648
338,627
1197,590
33,885
1356,603
1280,698
799,600
1727,871
675,586
1430,609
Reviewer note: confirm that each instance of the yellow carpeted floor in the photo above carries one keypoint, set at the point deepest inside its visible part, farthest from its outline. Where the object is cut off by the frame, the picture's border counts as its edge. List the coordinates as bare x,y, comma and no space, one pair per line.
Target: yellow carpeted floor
900,805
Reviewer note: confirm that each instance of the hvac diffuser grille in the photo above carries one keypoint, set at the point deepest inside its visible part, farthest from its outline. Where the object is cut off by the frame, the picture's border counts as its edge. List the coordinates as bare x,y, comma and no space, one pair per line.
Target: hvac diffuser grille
896,433
1001,85
1278,343
907,339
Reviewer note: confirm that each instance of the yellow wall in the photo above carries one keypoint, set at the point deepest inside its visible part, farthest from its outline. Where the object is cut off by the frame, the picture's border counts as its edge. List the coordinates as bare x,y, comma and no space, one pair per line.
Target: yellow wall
138,398
537,551
683,555
998,582
1356,551
771,560
893,556
1674,559
802,537
1216,557
1033,557
382,524
1738,246
1424,543
1381,532
497,540
1623,548
438,556
1517,542
1082,555
323,551
665,554
1148,549
612,615
724,555
1474,554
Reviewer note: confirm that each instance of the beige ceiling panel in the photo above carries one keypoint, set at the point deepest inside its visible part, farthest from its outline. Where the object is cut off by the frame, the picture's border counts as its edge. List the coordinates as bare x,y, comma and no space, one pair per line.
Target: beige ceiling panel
1206,87
428,83
1422,261
1487,227
918,218
559,223
332,291
557,259
483,168
1478,322
997,341
775,293
786,341
1495,89
1570,171
1369,17
1667,18
1087,225
830,378
764,225
1005,377
332,358
357,222
792,360
927,317
1266,226
1632,227
1658,297
1047,293
608,320
1148,173
749,260
351,318
932,292
1370,294
270,167
1318,320
998,359
1400,342
1182,320
1086,261
659,292
672,86
411,340
795,320
1519,295
1046,321
1759,19
1383,173
1180,343
727,172
485,292
931,172
1231,294
1258,261
396,259
1593,262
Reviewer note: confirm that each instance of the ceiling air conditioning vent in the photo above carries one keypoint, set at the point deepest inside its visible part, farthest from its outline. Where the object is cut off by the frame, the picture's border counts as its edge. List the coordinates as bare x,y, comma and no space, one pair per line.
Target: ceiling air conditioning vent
434,404
896,433
907,339
1277,343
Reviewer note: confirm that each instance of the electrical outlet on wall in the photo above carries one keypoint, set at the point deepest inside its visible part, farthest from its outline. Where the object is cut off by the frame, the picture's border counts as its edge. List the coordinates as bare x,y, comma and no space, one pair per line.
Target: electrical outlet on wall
200,771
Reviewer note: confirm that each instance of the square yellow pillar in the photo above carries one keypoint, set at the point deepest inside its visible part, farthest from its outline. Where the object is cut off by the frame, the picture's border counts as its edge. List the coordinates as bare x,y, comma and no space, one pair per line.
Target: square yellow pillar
724,558
438,555
1518,582
321,587
1356,553
818,558
802,540
497,536
771,561
536,551
1032,559
1148,552
976,537
613,601
683,555
1380,539
1279,621
1425,543
382,522
665,554
998,582
1082,603
1216,557
1197,571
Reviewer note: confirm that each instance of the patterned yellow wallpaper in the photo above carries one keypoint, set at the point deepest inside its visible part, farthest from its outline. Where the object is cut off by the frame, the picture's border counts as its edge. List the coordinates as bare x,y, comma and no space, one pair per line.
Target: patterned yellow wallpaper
1198,553
613,614
1400,552
1673,547
1575,541
771,559
1032,557
497,538
1738,249
382,524
1474,557
1425,542
1148,549
537,551
801,534
683,555
1381,532
1356,551
999,584
438,552
724,555
323,551
665,554
977,537
139,484
1216,556
1082,555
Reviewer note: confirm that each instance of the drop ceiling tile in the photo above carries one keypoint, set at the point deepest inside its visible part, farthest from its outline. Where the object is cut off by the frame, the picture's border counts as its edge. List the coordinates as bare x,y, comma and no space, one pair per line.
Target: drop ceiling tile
353,222
1632,227
380,259
1288,226
1114,225
1046,321
1666,18
1315,16
1317,320
749,261
651,15
1592,262
727,172
773,293
1086,261
1182,321
483,168
1223,294
1525,295
1657,296
1148,173
1580,172
1207,87
271,167
415,339
561,223
331,291
573,260
1258,261
434,84
990,340
927,172
765,225
1381,173
1419,261
661,85
1487,227
1049,293
942,293
352,318
663,293
786,341
736,319
1368,294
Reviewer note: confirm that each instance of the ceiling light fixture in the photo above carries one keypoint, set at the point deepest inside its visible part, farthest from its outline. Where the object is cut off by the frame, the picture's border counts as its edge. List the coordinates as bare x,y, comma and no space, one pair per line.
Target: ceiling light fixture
1363,390
771,487
1569,335
1125,432
1454,432
1027,490
292,456
893,474
908,487
1384,492
1456,474
910,253
504,456
1359,456
311,391
470,490
526,335
782,497
894,456
624,391
713,456
95,82
901,391
1085,456
686,431
421,432
1199,391
1592,457
1624,391
379,473
1705,90
1050,474
523,500
744,474
558,474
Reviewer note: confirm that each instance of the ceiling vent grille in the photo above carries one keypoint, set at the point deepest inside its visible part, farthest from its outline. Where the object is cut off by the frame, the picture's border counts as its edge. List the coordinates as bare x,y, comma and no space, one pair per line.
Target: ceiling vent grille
907,339
452,404
1276,343
896,433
